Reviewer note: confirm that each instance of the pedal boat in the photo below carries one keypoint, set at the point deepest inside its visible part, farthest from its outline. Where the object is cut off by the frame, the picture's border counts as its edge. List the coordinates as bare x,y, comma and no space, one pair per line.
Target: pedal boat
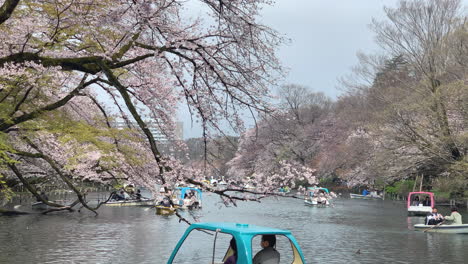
243,234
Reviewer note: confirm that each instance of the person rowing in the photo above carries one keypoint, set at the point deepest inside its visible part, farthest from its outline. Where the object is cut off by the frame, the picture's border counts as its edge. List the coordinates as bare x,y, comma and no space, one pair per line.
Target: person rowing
455,217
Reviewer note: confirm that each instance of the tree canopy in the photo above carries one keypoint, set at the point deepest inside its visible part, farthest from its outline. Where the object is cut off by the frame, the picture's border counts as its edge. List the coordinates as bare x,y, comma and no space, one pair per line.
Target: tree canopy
70,69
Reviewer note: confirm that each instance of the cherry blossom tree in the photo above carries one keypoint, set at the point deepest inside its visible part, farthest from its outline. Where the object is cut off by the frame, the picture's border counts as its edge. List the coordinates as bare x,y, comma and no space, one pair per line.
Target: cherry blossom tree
403,113
70,68
411,93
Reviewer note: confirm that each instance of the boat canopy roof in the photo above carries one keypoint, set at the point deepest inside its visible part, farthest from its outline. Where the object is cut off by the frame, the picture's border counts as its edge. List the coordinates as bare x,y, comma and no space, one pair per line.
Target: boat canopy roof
184,190
318,188
239,229
422,193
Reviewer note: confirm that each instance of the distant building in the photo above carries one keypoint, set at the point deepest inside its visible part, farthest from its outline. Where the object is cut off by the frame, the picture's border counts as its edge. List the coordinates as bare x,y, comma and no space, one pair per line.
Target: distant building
154,129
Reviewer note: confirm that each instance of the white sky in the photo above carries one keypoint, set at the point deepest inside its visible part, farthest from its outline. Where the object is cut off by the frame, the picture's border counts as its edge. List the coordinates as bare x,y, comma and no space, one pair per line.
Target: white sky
325,37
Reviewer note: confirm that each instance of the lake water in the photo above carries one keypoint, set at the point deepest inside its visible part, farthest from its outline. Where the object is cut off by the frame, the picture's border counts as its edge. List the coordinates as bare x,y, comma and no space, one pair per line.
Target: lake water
380,230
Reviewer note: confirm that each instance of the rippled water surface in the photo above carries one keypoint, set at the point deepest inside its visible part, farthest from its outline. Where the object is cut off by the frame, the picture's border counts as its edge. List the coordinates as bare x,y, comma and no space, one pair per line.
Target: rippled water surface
380,230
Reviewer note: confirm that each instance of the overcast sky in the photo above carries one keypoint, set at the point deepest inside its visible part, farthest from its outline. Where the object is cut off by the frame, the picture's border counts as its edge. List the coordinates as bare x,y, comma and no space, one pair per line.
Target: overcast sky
325,37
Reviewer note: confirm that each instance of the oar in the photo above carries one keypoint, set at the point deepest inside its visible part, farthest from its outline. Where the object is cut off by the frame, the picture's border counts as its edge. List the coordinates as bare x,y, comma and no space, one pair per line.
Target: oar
434,226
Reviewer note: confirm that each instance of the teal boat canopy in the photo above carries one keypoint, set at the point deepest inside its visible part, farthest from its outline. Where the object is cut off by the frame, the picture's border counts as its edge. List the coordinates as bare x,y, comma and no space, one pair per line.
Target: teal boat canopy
184,190
241,229
243,235
312,189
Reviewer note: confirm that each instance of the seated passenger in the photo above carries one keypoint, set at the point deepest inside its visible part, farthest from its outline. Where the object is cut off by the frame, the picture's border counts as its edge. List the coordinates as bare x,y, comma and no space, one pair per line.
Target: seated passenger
434,218
43,196
233,258
268,255
415,201
455,217
165,202
427,201
138,195
119,196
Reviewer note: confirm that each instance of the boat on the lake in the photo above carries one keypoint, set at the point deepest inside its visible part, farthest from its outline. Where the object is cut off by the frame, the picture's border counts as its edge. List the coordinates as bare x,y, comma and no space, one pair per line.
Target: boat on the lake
284,190
188,198
366,195
39,206
131,202
317,196
165,210
219,248
417,205
222,182
450,229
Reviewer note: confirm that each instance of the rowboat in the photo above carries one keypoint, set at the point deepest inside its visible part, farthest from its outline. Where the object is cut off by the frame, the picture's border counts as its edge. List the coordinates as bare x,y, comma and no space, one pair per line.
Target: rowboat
131,202
317,196
39,206
449,229
314,202
164,210
365,197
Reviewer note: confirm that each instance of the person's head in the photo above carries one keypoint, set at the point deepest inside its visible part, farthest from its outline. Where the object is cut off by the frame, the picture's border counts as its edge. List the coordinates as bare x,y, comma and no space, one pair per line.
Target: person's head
427,197
121,192
454,209
268,241
416,198
138,191
434,210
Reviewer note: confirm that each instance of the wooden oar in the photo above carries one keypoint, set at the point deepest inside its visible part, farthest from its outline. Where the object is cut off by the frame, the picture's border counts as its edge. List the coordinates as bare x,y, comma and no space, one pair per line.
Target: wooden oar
434,226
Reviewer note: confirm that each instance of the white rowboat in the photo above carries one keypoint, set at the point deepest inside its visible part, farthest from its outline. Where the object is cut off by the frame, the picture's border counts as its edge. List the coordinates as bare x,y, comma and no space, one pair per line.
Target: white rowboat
365,197
449,229
133,202
39,206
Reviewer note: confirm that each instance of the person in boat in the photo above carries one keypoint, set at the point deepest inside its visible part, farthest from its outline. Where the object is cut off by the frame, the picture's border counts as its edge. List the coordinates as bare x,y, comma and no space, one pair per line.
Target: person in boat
455,217
416,201
119,196
138,195
43,196
268,255
434,218
427,201
193,201
165,202
365,192
233,258
322,199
